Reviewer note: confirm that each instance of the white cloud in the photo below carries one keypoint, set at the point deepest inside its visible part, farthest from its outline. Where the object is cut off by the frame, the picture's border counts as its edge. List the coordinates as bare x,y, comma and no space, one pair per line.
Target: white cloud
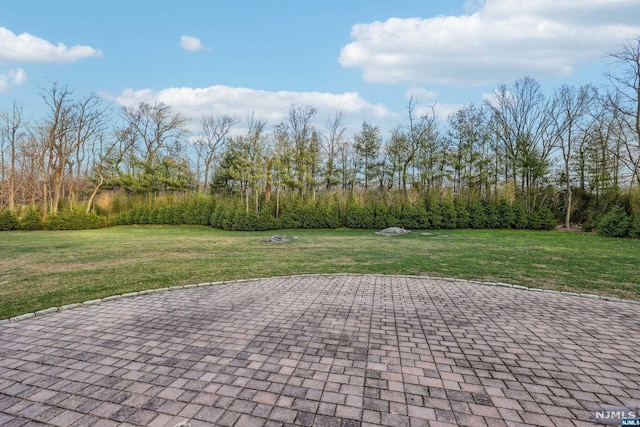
272,106
421,94
494,41
13,77
29,48
192,44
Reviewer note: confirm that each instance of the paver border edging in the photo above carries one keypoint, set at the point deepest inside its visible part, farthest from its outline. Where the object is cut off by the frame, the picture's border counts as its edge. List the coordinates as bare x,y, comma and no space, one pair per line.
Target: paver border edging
51,310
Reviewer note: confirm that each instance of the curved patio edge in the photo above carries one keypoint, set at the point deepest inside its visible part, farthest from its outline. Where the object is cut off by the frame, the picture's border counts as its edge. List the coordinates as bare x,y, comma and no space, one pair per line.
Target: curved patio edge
51,310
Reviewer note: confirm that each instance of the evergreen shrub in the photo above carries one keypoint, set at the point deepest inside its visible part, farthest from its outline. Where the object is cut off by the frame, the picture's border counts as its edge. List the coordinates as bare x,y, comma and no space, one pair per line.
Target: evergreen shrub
542,219
615,223
634,228
8,220
75,220
31,220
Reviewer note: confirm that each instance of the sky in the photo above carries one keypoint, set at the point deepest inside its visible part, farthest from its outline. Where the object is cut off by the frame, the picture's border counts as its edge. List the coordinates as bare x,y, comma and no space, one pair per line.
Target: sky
362,58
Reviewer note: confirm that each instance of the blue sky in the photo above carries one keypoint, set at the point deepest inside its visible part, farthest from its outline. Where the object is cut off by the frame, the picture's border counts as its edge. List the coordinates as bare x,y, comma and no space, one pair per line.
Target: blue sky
360,57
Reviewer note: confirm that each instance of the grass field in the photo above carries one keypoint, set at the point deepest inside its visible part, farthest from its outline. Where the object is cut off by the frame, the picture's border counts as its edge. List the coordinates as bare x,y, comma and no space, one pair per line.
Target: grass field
44,269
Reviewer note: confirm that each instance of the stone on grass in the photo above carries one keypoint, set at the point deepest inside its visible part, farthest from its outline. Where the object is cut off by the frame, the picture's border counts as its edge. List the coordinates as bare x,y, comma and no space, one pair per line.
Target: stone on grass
278,239
393,231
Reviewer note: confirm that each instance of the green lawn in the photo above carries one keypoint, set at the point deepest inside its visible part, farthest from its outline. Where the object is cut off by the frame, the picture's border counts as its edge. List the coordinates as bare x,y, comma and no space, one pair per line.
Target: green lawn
44,269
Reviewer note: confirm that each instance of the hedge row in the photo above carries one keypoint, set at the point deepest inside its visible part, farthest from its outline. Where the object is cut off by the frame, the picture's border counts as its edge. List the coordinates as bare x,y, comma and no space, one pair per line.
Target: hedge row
229,214
32,220
326,213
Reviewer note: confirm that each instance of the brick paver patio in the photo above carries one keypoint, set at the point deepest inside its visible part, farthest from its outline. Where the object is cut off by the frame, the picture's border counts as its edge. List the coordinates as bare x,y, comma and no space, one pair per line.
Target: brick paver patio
323,351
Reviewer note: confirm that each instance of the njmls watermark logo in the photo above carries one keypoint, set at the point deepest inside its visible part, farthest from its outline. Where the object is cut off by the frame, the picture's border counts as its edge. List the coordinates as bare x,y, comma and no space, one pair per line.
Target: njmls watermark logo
616,415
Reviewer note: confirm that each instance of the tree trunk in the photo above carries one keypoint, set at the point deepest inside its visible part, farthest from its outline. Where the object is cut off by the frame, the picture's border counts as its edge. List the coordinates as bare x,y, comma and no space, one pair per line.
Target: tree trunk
257,203
95,192
567,217
58,178
267,186
206,176
45,200
12,177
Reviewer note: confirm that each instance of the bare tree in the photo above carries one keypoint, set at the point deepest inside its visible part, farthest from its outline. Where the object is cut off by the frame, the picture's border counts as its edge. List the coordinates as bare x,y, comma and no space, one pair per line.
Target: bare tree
58,144
470,162
150,133
301,132
625,81
331,147
397,150
88,129
520,120
213,137
569,112
153,127
32,168
246,160
64,137
105,154
345,164
12,131
421,128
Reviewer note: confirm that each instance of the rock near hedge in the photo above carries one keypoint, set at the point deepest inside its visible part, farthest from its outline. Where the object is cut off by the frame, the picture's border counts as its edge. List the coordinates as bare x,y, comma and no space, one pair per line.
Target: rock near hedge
393,231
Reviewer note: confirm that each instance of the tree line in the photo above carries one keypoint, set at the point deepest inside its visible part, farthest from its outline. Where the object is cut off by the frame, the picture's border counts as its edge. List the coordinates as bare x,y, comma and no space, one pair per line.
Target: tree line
574,153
